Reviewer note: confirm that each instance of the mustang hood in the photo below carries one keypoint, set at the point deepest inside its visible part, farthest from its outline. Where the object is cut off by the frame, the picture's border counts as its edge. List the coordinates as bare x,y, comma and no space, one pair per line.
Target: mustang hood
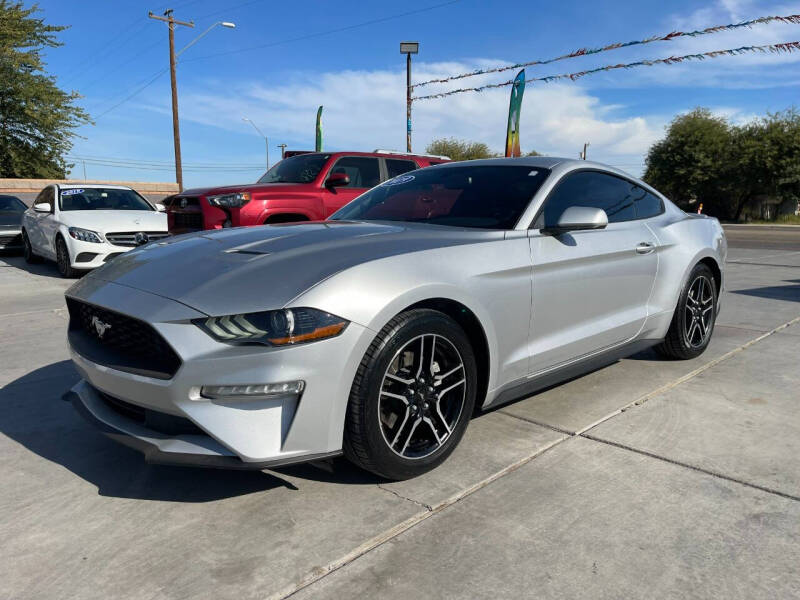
261,268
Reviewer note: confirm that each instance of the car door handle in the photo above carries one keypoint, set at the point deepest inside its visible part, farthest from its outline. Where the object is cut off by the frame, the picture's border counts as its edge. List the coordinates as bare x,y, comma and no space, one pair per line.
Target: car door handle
645,248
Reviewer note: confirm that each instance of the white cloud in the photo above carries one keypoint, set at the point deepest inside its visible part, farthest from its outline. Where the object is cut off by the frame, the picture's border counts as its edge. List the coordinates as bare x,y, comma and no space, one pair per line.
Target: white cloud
366,110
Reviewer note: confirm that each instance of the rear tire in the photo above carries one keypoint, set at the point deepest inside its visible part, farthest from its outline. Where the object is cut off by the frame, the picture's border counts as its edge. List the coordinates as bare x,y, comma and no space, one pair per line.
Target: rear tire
63,260
693,322
412,396
27,250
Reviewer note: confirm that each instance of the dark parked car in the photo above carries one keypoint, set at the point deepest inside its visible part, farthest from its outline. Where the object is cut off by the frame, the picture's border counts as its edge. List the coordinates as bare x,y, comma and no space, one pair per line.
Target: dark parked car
11,209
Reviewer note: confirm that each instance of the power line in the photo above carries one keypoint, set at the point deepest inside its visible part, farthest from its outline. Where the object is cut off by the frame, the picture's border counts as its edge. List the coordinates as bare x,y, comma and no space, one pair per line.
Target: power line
155,77
160,162
793,19
137,92
772,48
326,32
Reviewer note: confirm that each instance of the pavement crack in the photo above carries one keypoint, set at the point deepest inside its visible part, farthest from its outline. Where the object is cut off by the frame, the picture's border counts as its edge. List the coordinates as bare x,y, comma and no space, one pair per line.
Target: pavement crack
539,423
427,507
691,466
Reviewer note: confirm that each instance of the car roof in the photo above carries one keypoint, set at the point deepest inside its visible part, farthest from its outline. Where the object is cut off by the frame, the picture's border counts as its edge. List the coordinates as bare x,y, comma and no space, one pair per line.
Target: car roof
72,186
381,154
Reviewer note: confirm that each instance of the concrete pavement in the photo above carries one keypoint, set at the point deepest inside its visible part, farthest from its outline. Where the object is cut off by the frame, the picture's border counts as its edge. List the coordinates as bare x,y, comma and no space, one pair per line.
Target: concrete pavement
693,490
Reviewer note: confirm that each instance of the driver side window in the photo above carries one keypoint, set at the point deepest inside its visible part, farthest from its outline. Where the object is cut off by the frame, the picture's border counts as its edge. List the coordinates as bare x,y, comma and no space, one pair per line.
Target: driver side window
591,189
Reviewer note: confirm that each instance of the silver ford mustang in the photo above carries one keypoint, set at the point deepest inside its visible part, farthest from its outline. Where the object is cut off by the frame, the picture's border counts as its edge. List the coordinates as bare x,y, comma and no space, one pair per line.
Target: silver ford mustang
378,333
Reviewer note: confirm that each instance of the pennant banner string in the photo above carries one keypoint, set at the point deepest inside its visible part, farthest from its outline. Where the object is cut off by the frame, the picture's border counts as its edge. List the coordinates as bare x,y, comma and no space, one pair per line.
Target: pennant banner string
773,48
794,19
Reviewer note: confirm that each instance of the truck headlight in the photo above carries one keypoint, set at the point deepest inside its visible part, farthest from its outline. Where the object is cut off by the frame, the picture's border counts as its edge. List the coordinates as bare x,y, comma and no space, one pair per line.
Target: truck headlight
274,327
85,235
236,200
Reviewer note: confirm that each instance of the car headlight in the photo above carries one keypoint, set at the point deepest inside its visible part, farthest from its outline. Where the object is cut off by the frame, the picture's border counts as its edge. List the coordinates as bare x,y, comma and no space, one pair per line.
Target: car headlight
274,328
237,200
85,235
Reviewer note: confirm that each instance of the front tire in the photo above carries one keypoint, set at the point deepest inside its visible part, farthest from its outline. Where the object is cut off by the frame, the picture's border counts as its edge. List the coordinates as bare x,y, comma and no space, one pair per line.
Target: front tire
27,250
412,396
63,260
693,322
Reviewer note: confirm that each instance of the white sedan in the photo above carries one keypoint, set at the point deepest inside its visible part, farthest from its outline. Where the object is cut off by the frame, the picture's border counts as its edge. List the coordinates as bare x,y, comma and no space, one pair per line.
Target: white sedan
82,226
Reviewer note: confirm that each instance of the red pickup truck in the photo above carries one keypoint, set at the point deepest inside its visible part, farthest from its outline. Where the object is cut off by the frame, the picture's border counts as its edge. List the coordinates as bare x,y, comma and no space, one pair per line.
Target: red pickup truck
307,186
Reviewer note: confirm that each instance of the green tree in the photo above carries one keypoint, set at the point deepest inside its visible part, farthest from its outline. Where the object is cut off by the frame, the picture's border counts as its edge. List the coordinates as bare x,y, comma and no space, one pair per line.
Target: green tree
464,150
693,161
459,149
37,118
705,159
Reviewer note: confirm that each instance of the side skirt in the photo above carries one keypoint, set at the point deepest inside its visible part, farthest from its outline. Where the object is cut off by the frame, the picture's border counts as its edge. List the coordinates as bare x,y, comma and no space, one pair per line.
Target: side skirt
517,390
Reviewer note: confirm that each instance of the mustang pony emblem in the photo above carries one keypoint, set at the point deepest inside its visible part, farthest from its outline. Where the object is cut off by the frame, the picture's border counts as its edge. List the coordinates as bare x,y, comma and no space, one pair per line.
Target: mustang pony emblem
99,326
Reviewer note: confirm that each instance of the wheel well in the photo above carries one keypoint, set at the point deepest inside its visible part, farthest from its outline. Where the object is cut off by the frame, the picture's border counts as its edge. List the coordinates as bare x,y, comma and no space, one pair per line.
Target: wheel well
285,218
474,330
715,271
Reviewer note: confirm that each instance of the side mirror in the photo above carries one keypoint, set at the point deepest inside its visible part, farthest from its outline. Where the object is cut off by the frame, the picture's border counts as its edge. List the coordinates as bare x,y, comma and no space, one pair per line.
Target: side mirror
42,207
578,218
160,207
337,180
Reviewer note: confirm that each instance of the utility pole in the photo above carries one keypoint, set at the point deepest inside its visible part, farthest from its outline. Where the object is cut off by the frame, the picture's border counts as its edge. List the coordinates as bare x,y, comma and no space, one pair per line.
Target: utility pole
408,48
171,22
283,149
583,154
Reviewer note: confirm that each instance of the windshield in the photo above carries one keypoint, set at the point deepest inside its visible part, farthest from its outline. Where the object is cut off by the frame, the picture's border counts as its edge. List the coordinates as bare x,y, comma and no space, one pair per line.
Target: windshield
101,199
488,197
302,168
11,204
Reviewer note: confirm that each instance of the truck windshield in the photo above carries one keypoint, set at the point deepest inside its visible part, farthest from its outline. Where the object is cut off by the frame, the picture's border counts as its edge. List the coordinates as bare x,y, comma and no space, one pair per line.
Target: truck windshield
486,197
302,168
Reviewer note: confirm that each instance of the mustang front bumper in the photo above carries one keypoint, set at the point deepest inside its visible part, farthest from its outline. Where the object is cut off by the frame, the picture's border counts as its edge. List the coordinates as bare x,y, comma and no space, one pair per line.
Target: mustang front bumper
241,433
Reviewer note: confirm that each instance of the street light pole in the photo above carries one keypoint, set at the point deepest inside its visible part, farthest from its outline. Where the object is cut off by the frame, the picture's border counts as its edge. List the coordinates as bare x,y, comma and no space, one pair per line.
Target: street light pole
408,48
283,149
173,61
266,141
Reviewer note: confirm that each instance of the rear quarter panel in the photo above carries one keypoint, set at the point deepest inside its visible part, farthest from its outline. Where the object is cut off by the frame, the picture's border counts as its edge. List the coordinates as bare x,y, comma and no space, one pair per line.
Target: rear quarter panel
683,241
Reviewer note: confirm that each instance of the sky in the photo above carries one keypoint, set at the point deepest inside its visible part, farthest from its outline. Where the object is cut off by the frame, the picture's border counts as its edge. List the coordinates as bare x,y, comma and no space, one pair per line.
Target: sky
284,59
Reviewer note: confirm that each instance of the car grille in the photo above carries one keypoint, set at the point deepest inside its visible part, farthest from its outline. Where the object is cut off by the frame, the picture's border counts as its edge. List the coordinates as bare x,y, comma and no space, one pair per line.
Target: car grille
120,342
128,238
10,239
152,419
192,221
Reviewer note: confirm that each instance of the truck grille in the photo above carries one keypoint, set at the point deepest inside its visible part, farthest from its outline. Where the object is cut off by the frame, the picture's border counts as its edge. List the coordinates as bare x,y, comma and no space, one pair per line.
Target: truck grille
120,342
128,238
185,222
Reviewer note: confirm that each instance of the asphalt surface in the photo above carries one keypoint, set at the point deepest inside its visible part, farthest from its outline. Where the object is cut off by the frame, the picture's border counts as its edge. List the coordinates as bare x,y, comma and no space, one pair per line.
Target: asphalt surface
645,479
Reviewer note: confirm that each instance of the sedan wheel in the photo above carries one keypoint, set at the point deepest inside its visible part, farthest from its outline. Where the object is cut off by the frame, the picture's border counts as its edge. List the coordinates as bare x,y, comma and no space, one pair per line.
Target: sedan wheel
412,396
30,257
693,321
62,260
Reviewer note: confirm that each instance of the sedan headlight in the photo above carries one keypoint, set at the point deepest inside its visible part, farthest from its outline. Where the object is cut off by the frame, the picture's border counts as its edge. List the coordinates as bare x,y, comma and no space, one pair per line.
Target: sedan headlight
237,200
274,328
85,235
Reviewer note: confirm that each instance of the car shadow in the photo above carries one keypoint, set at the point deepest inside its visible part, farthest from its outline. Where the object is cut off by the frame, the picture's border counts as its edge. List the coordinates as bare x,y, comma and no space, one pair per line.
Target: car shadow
33,415
790,293
46,268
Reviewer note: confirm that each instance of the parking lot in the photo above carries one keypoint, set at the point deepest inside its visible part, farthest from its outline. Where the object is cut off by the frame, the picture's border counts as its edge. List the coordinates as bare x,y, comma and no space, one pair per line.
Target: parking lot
648,478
